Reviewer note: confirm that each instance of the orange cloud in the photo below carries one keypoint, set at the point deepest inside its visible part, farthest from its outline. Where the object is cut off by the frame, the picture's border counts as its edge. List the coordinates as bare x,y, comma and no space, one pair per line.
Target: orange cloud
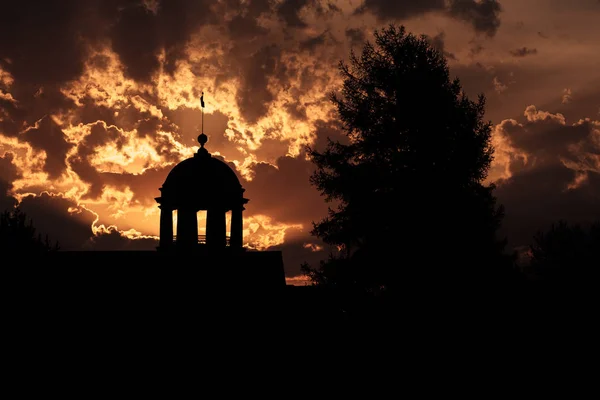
260,232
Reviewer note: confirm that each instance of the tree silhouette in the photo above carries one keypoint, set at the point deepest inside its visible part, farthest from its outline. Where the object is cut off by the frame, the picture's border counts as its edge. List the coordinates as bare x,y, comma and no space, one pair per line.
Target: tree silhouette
18,235
566,251
409,181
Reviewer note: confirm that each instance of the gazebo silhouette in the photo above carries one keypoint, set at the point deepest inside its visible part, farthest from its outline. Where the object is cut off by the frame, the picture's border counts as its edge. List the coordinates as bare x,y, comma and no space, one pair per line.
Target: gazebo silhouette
201,182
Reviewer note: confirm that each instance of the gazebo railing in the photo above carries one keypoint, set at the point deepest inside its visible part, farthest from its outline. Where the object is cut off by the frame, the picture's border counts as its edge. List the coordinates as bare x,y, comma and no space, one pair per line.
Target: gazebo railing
202,239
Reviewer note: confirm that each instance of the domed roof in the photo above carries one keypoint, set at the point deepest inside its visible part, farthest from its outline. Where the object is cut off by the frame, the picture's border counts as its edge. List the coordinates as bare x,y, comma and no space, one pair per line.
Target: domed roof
207,171
202,180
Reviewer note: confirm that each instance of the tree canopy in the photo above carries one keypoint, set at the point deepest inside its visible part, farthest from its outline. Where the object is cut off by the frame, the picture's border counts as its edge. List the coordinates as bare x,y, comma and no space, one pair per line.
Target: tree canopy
408,183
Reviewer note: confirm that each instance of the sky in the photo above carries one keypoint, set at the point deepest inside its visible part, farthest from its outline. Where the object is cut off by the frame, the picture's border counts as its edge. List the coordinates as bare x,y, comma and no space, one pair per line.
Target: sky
99,99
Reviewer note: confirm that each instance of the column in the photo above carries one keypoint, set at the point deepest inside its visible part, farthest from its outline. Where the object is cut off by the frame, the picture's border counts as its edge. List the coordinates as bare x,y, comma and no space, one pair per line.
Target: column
166,228
187,228
237,227
216,228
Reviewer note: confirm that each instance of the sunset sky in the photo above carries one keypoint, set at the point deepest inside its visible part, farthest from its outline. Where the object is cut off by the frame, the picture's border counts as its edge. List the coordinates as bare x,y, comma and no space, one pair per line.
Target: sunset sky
99,99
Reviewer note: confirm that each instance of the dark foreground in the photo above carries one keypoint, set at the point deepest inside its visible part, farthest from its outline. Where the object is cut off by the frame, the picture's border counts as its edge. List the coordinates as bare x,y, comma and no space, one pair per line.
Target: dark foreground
97,326
103,291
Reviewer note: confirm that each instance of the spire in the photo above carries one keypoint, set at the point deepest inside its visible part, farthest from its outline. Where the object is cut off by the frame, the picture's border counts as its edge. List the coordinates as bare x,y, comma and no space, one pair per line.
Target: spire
202,138
202,109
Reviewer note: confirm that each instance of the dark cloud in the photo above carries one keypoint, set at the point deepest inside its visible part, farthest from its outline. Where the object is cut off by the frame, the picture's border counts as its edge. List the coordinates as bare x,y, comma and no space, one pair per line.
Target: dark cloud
549,138
296,110
42,41
243,22
51,216
177,20
538,197
556,177
289,10
255,8
145,186
9,124
583,103
356,36
148,126
312,43
271,148
475,49
29,104
46,135
523,51
483,15
328,131
439,43
253,94
138,33
245,27
46,42
134,37
8,173
100,134
400,9
283,192
90,112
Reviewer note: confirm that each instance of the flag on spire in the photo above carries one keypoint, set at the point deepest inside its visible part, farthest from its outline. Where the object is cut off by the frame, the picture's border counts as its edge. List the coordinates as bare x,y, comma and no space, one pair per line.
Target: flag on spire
202,100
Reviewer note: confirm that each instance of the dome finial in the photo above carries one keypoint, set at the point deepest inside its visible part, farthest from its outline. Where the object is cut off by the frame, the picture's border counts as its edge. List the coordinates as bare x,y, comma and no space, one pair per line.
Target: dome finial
202,138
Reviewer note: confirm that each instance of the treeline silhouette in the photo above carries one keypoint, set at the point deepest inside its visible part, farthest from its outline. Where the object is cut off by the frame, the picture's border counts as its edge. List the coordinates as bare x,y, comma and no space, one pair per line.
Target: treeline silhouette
18,235
564,252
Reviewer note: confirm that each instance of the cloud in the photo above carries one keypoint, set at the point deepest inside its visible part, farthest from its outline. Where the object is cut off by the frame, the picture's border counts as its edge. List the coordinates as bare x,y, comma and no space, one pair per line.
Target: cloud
483,15
111,239
356,36
59,218
8,173
289,10
43,42
567,96
401,9
554,172
523,51
499,86
312,43
283,191
147,39
46,135
438,42
254,95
